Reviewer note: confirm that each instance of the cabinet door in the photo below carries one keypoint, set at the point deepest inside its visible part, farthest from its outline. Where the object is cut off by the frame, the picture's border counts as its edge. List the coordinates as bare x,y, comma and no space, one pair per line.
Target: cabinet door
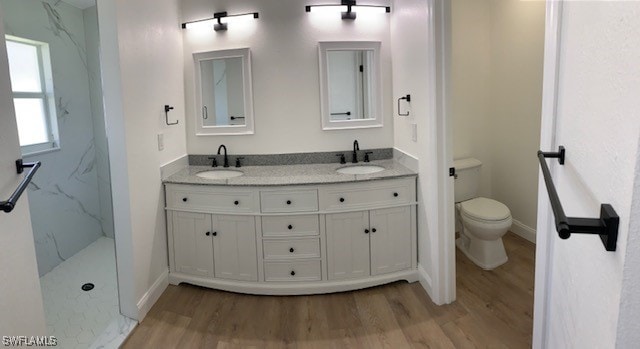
390,240
192,247
234,245
347,245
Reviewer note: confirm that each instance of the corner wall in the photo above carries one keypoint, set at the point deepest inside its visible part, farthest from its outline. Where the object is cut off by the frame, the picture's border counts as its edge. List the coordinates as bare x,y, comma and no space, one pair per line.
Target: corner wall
142,71
420,68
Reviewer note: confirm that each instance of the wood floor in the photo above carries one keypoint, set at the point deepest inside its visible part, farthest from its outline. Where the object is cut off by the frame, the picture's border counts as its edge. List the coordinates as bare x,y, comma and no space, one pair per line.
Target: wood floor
493,310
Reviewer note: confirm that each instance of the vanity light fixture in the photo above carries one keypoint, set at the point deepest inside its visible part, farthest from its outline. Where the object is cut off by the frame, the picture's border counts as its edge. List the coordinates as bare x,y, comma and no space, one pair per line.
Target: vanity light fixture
348,8
219,21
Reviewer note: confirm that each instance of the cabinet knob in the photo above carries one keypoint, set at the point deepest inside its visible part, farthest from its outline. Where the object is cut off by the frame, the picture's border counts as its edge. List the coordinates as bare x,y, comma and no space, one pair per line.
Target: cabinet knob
236,202
290,227
291,250
366,231
373,230
215,233
293,273
395,195
207,233
341,199
288,202
184,199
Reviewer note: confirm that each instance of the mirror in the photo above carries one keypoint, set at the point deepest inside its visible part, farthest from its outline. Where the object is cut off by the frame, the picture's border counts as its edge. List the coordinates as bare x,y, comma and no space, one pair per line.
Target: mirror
351,93
223,92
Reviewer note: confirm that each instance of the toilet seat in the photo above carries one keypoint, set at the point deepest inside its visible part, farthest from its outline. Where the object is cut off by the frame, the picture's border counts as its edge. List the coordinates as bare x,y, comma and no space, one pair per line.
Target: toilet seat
485,210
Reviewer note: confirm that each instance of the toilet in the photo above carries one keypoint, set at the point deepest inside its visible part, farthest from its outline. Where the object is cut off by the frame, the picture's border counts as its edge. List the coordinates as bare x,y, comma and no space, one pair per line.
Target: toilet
483,221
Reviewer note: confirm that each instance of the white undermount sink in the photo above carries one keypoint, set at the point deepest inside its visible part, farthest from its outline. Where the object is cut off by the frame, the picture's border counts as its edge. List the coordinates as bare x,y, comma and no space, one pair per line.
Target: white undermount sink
219,174
359,170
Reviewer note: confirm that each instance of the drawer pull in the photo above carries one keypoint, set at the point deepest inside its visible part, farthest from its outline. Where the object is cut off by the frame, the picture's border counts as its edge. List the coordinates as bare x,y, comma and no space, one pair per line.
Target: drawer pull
293,273
236,202
341,199
184,199
288,202
291,250
373,230
207,233
366,231
395,195
290,227
215,233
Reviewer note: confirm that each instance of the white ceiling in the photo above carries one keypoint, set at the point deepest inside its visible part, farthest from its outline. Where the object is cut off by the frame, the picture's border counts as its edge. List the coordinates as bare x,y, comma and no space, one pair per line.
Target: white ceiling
81,4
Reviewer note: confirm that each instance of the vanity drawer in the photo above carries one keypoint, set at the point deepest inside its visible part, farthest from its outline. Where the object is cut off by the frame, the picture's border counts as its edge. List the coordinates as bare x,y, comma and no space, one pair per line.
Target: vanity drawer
211,199
368,194
293,271
288,249
289,201
279,226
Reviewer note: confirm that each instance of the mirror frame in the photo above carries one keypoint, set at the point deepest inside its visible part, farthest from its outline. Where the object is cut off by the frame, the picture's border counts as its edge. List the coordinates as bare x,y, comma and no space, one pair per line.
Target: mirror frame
376,85
248,127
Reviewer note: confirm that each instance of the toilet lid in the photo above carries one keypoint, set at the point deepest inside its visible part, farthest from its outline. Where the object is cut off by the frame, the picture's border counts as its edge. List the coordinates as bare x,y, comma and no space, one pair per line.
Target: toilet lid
485,209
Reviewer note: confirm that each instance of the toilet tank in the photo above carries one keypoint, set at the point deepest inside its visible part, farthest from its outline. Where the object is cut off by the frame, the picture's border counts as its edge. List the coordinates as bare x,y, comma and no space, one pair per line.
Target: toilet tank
468,178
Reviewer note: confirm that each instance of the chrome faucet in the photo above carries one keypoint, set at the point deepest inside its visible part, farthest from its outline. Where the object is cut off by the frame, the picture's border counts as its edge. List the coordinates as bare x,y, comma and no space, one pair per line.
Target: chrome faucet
356,147
226,159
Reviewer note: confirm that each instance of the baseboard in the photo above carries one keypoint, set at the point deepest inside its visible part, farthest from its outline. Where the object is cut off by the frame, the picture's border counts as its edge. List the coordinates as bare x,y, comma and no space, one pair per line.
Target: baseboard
425,281
523,231
153,293
406,160
174,166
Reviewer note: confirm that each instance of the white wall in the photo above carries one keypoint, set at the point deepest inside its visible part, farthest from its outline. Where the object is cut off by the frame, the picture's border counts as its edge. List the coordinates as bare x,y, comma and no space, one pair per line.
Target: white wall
497,94
419,68
471,85
283,43
589,291
517,45
142,71
20,297
628,326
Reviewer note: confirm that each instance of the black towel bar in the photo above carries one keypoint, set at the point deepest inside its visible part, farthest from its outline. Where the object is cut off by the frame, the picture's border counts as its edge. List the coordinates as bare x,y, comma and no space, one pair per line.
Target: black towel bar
9,205
606,226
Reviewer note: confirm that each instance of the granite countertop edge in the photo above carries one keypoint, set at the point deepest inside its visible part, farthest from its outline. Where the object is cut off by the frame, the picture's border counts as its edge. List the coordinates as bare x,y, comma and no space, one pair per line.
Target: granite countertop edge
290,175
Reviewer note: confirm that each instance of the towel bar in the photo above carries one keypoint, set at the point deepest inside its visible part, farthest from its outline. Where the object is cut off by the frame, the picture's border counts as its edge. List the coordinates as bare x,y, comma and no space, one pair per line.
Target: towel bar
606,226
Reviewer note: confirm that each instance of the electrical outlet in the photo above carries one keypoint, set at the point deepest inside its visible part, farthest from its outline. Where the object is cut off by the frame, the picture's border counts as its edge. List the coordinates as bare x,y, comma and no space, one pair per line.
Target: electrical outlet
414,132
160,141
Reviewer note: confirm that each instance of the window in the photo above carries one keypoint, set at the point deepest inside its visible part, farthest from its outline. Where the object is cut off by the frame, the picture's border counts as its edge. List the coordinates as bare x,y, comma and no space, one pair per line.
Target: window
32,85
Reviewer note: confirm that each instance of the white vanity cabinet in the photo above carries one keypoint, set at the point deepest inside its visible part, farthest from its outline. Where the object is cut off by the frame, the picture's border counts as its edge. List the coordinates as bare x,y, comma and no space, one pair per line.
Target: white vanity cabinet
368,242
234,248
220,246
293,239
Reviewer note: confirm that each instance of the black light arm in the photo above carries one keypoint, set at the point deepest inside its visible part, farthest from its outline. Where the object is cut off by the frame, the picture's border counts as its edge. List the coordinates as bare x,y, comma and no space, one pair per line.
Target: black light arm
216,21
350,4
606,226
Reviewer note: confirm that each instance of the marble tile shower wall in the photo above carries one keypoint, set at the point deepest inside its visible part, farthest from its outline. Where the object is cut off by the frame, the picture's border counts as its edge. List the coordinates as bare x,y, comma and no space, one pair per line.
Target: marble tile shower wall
65,194
97,111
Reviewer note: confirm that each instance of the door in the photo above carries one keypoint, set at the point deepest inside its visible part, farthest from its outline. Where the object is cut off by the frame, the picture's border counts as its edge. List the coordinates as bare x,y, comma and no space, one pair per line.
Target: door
390,240
348,245
20,298
192,243
585,296
234,245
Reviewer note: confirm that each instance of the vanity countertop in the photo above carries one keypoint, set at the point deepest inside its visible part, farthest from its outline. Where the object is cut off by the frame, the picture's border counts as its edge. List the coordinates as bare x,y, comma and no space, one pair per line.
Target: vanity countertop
291,174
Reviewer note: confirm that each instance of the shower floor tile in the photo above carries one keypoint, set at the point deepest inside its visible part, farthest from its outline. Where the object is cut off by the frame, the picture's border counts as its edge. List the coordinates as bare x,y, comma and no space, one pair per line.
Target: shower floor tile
78,317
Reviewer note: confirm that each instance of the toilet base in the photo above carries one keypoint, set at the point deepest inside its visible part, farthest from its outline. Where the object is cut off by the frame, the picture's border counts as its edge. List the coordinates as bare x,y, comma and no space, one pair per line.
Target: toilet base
487,255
